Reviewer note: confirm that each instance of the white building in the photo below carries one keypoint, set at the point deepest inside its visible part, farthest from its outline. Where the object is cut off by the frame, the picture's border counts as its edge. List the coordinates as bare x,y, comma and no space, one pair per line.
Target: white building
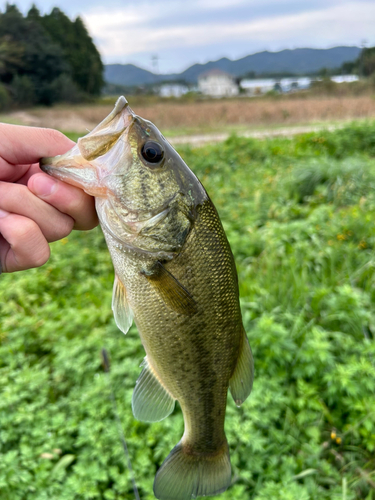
217,83
292,84
344,78
173,90
258,86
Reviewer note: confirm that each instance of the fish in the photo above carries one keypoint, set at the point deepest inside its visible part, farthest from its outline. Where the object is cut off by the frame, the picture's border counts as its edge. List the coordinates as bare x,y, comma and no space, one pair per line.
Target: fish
175,276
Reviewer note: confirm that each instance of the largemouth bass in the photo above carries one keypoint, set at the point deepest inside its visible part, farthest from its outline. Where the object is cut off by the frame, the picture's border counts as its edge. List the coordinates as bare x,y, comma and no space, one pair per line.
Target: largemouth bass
175,275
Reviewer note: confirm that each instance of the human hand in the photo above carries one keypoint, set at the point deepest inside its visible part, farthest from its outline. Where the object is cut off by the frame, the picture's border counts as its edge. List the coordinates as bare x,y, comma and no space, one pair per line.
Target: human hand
35,208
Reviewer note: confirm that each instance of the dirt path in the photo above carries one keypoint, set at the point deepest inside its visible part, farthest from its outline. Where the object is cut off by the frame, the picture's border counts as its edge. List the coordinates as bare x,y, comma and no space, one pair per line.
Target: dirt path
82,122
199,140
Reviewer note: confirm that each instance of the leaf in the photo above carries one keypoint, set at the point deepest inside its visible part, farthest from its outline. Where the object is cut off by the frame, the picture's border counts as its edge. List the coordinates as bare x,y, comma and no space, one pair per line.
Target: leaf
305,473
63,463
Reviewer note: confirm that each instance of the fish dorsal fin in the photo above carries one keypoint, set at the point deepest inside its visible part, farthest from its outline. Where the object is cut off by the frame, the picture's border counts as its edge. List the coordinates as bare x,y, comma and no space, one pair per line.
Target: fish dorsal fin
151,401
120,306
171,291
241,381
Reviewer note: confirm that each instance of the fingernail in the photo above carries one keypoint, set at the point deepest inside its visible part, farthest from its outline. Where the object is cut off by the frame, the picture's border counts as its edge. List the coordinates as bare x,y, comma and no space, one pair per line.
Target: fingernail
3,213
44,186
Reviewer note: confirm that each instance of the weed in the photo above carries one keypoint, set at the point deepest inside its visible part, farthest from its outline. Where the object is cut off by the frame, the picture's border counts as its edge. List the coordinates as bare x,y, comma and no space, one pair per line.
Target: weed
299,215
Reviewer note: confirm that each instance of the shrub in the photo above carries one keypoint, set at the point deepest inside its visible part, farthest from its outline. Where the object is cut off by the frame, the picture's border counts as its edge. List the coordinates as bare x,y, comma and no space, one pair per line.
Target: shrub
307,284
23,91
4,98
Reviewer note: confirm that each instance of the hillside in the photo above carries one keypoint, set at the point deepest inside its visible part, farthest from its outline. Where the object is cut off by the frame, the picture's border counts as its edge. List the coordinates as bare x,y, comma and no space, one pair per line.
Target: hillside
298,61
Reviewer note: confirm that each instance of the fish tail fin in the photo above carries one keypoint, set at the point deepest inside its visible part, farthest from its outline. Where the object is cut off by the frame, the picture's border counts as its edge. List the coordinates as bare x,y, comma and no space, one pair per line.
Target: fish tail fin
186,474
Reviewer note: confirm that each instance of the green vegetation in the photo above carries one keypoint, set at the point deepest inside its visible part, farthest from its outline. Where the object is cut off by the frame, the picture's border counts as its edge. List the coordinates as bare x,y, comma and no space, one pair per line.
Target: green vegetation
364,65
299,215
46,59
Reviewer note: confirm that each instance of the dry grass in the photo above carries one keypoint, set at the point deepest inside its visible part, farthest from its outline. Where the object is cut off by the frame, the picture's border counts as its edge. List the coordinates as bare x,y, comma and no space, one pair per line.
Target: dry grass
209,114
258,112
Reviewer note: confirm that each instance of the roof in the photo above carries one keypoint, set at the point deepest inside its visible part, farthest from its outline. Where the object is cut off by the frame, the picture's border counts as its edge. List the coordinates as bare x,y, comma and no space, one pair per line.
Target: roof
215,72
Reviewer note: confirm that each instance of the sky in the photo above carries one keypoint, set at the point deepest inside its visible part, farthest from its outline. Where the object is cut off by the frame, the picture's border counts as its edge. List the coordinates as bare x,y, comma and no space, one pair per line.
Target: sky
168,36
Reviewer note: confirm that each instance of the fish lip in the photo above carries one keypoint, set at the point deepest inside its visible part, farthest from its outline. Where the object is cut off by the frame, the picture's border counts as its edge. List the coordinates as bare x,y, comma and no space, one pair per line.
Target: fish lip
72,177
75,167
121,105
43,165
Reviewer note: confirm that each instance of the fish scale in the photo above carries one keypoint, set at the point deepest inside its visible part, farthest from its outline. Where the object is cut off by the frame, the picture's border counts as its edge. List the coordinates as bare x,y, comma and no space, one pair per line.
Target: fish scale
175,275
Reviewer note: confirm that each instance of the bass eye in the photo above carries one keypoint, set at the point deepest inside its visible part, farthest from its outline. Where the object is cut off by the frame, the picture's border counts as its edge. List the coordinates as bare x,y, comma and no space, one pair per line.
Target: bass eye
152,152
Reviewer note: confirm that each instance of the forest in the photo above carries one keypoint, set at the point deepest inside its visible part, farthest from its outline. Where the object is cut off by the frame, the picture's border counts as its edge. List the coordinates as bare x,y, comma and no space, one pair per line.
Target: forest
46,59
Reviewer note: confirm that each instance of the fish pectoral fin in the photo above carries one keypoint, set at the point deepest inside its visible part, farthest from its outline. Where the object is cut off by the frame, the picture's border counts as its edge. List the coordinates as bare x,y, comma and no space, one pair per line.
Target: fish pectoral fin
151,401
120,306
171,291
241,382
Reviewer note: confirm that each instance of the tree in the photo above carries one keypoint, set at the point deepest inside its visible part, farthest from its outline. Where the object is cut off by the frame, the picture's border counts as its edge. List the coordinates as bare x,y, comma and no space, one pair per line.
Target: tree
30,55
89,67
41,55
78,49
367,61
11,58
34,13
364,65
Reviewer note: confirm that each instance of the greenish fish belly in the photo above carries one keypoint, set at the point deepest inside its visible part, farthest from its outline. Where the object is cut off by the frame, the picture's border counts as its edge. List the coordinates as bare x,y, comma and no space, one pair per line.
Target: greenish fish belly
195,355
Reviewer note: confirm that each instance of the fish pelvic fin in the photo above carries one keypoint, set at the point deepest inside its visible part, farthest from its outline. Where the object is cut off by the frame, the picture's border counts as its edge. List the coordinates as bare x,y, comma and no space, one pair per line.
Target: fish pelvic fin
241,382
120,306
186,474
151,401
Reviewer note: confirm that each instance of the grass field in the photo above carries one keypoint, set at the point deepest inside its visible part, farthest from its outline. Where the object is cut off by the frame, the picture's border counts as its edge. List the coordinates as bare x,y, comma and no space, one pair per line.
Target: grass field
299,214
179,117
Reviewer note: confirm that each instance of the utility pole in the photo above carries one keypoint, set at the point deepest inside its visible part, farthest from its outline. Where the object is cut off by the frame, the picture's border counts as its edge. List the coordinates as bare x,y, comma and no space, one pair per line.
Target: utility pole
155,63
361,59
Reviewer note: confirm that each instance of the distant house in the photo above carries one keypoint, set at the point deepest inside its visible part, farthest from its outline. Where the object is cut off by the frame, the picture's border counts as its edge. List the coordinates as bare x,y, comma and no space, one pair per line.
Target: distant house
173,90
258,86
344,78
291,84
217,83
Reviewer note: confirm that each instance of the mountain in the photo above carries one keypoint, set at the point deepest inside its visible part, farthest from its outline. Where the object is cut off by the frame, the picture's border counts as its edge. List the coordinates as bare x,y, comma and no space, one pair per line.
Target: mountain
297,61
128,75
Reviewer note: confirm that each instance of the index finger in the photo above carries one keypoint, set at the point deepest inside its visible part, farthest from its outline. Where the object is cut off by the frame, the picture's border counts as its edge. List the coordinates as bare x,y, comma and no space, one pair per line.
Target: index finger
20,145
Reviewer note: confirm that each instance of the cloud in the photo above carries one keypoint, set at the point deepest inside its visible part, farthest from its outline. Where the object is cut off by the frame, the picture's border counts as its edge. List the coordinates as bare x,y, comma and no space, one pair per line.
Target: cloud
131,30
183,32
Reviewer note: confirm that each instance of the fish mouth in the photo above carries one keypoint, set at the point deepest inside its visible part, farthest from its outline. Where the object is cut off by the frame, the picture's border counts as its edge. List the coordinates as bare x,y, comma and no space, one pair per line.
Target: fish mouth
77,167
